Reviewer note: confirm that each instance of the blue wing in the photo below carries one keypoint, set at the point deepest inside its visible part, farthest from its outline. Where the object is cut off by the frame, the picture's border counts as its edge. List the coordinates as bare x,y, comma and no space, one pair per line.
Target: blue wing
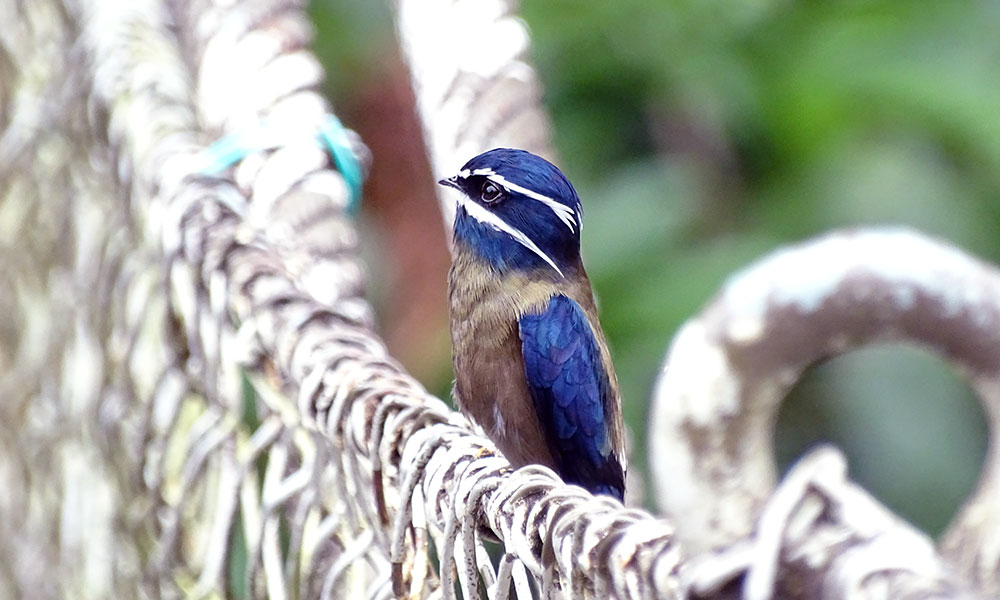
571,390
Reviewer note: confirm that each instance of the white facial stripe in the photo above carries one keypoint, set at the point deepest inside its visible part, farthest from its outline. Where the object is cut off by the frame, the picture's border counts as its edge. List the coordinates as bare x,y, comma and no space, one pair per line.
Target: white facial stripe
566,214
465,173
486,217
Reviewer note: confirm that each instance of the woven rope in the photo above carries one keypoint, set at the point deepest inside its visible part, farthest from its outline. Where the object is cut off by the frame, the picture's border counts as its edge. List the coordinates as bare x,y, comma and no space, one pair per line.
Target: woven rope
731,365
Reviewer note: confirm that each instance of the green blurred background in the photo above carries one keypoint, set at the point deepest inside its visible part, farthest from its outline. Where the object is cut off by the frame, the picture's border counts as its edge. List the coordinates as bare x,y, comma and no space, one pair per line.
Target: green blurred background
702,134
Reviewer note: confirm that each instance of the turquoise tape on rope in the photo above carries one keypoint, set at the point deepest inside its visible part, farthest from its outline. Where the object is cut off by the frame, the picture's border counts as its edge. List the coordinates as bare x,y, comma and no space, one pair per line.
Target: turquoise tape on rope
231,149
334,136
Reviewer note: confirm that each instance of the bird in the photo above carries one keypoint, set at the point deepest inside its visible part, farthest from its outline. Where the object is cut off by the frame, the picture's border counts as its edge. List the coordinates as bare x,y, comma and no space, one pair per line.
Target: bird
532,366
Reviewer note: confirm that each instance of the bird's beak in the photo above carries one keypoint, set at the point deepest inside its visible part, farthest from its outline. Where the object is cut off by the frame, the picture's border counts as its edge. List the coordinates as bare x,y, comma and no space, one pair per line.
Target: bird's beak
450,182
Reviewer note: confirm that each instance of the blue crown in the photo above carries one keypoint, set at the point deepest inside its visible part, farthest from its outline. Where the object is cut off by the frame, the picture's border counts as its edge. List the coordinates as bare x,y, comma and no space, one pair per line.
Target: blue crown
519,212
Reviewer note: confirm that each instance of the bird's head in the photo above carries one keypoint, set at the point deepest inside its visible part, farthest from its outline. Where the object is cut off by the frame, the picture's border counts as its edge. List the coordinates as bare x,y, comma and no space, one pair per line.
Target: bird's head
518,212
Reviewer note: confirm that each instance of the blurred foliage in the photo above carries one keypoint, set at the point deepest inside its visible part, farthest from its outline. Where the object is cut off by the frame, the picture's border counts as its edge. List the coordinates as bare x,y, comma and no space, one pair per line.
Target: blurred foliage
703,134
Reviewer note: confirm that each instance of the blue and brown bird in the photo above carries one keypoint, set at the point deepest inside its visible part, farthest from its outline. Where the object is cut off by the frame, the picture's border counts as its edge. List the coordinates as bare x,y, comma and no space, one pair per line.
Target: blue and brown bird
531,364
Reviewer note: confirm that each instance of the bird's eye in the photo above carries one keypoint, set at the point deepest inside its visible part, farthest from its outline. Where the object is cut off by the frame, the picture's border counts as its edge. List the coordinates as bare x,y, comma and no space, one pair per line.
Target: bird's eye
491,192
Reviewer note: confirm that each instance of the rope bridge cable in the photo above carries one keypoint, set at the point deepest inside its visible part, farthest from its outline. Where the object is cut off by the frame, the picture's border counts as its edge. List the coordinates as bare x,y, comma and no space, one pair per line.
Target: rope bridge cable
475,87
196,387
730,366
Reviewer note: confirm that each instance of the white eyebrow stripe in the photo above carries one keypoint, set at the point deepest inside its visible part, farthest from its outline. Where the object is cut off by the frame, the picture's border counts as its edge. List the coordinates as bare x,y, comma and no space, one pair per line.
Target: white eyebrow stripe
486,217
566,214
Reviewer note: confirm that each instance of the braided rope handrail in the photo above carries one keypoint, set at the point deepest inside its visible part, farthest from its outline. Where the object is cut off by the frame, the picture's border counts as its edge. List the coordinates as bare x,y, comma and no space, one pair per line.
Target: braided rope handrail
475,87
730,366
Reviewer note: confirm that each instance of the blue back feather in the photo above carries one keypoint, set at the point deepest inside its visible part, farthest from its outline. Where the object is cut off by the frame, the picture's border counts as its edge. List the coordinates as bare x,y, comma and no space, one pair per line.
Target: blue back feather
570,389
